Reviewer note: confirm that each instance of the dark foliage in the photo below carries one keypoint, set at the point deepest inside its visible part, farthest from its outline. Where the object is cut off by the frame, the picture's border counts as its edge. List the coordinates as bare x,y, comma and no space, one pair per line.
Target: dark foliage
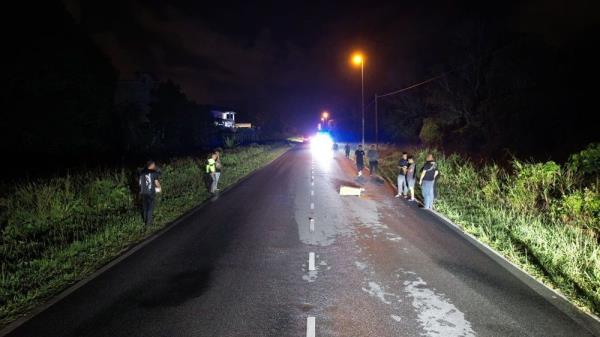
506,92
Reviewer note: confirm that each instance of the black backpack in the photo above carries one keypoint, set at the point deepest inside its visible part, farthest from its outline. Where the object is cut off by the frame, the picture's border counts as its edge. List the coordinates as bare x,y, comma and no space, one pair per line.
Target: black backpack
146,182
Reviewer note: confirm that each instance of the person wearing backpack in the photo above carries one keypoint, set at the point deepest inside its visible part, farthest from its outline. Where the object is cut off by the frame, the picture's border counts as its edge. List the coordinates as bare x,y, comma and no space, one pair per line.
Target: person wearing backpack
149,186
429,173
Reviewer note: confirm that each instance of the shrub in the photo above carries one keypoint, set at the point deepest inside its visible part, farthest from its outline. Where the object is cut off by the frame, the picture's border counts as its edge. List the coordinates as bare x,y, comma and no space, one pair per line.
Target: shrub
587,161
581,208
532,184
431,133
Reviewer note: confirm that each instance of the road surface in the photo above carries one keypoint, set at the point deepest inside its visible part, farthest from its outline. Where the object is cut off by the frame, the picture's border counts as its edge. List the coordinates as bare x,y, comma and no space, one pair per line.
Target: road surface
240,266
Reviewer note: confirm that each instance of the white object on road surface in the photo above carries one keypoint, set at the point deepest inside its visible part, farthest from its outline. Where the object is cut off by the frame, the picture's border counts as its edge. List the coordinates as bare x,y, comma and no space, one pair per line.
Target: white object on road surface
350,190
311,261
312,224
310,327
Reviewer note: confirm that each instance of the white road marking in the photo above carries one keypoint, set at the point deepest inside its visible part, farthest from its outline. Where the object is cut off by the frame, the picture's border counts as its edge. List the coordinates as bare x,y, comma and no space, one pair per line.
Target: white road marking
312,177
312,205
311,261
310,327
312,192
312,183
312,224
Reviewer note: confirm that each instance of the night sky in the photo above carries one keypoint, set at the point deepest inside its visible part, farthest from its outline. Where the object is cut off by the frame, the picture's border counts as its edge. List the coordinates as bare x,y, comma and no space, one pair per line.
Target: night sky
292,58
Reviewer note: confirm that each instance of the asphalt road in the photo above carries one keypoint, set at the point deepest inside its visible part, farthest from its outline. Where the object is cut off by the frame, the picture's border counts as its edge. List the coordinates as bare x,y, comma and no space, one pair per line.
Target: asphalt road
240,267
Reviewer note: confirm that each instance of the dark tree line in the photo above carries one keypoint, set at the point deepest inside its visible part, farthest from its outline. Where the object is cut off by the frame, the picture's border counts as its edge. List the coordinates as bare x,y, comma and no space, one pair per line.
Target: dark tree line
61,103
504,93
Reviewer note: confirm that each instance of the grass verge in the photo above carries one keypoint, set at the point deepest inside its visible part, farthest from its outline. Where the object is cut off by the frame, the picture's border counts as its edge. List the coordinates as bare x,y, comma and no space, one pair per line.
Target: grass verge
58,231
544,217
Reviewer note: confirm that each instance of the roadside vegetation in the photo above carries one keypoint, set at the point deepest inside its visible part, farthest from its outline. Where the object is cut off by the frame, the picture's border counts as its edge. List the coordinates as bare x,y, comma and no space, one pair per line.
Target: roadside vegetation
55,232
543,216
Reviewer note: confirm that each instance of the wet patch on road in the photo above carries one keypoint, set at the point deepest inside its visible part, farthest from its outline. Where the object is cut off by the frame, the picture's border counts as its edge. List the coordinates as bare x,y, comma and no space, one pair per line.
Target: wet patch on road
437,316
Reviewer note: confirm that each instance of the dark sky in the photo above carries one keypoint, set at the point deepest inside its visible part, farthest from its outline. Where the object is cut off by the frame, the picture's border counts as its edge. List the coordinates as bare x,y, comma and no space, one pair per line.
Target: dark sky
291,58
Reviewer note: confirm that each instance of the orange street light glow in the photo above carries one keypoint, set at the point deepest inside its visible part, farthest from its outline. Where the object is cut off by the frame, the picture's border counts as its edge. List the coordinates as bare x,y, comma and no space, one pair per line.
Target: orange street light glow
325,114
357,59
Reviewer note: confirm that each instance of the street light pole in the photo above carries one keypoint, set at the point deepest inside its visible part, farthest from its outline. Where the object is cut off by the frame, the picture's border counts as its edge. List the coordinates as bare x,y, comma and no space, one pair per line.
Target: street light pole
357,59
362,85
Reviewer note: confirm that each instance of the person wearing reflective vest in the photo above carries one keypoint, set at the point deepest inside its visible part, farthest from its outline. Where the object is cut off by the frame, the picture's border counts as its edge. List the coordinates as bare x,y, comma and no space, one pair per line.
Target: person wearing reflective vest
211,169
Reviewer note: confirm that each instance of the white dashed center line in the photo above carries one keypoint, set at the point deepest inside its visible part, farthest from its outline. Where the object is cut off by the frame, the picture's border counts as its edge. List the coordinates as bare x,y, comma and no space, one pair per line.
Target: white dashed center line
312,192
311,261
312,205
310,326
311,224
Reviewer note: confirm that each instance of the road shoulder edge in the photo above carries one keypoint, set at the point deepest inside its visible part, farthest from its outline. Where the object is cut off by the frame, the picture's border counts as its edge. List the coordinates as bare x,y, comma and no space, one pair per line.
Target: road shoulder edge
127,253
587,320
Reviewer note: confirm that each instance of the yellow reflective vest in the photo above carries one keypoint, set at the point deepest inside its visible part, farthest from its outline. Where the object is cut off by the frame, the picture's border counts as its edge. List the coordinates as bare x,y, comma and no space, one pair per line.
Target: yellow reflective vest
210,166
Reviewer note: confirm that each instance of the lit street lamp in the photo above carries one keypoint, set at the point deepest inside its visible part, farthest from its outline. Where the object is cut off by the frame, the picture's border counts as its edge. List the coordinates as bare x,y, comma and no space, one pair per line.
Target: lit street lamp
358,59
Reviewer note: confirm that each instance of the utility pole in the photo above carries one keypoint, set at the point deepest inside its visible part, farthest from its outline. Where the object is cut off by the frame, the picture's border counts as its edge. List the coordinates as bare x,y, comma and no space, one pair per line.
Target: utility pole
376,124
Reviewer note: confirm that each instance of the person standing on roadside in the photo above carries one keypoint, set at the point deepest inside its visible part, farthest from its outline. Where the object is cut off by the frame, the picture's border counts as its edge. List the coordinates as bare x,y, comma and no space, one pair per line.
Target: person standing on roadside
429,173
411,177
347,150
402,184
149,186
218,167
211,172
359,155
373,156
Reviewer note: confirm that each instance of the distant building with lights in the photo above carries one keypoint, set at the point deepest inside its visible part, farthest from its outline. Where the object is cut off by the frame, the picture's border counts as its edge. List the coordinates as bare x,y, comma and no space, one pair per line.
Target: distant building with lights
226,119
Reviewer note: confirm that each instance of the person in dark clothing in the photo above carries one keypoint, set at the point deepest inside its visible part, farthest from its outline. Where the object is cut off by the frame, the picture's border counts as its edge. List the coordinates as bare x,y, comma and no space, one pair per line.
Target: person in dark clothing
347,150
429,173
402,183
373,156
149,186
359,155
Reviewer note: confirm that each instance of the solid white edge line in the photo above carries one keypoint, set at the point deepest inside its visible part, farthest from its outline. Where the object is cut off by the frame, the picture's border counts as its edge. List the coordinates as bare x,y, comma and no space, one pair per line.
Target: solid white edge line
310,326
311,261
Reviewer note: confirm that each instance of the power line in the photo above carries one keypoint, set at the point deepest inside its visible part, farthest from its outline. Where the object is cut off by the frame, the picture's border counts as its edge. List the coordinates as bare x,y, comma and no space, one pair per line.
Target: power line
493,53
413,86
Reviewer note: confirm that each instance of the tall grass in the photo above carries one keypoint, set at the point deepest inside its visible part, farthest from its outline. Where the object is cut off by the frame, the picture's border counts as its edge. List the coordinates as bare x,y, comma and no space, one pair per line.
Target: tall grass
544,217
55,232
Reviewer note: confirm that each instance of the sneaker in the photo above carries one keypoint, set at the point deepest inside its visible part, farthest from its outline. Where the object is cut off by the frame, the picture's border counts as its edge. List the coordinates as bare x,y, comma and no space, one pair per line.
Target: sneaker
413,199
397,196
